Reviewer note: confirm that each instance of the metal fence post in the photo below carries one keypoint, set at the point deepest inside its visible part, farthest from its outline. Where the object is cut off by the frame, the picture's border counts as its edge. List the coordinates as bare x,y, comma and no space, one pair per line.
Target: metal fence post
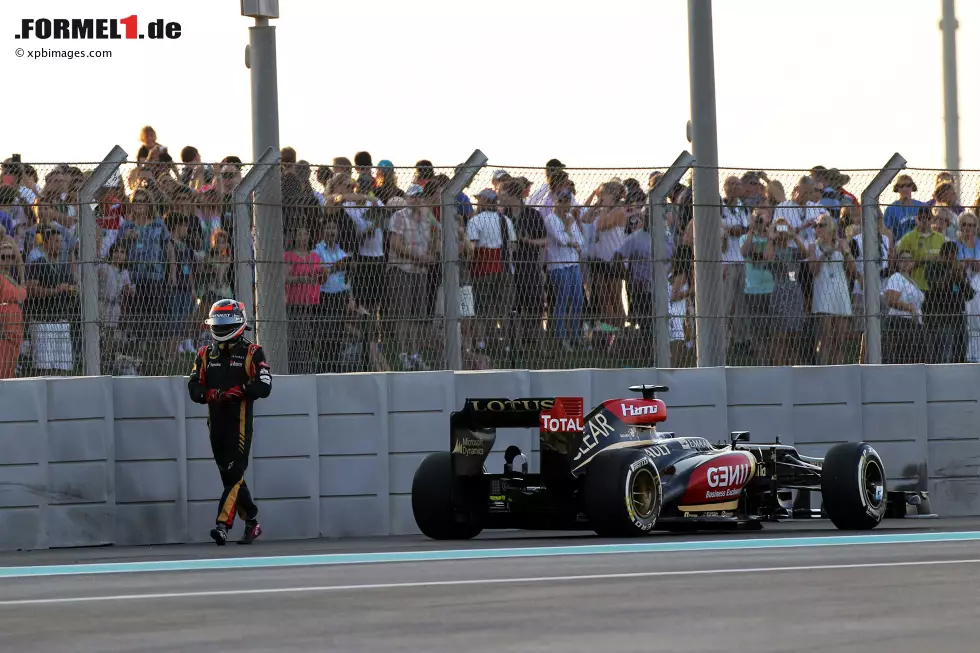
658,254
450,257
948,25
270,269
87,240
242,220
870,238
708,290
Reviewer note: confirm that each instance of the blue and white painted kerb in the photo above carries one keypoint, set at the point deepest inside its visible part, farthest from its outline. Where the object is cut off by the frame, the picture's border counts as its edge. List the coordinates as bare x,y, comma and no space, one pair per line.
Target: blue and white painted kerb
483,554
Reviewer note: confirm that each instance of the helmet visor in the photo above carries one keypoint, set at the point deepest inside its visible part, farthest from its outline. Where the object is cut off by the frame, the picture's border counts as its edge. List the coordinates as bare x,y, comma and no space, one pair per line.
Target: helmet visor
228,320
226,326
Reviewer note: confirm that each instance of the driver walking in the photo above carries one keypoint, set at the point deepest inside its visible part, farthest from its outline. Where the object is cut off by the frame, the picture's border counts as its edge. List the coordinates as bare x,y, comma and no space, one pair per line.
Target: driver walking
228,376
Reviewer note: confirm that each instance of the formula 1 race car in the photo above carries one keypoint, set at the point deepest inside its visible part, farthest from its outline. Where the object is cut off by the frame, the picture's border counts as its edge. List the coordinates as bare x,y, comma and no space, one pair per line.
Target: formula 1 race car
612,472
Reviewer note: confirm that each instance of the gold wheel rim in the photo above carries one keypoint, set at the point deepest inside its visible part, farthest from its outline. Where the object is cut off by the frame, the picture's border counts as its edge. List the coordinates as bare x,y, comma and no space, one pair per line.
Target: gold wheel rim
643,494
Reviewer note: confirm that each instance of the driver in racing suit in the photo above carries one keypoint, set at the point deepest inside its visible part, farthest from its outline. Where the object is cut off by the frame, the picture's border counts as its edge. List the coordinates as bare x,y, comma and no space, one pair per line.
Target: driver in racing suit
228,376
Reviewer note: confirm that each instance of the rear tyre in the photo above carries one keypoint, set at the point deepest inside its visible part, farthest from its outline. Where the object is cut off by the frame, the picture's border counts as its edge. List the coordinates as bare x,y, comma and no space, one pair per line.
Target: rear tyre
432,501
622,493
853,486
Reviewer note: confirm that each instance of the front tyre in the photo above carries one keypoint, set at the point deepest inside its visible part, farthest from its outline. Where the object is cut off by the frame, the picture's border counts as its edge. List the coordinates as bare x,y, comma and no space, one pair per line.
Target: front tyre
853,486
432,501
622,493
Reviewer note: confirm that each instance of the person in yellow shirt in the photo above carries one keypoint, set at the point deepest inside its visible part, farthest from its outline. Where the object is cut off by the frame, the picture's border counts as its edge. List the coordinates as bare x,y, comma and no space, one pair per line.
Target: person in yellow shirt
923,244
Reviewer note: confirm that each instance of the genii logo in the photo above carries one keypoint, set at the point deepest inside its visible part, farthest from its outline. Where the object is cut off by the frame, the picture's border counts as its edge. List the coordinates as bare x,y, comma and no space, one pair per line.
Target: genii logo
637,411
720,479
728,475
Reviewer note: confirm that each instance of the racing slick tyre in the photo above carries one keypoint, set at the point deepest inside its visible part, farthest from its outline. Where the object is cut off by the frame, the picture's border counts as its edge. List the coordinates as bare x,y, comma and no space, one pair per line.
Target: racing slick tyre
622,493
432,501
853,486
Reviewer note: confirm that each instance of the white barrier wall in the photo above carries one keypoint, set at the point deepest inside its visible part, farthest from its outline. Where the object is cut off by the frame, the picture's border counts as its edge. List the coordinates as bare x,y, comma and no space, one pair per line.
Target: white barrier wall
92,461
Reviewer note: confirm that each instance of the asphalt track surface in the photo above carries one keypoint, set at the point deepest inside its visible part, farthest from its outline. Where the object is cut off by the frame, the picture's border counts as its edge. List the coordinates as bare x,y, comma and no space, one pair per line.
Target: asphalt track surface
783,589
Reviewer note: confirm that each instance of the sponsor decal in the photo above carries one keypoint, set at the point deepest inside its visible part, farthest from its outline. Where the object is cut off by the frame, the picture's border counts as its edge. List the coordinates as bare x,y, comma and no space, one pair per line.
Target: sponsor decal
469,446
566,417
727,480
695,444
509,405
720,479
597,427
659,450
561,424
639,463
637,411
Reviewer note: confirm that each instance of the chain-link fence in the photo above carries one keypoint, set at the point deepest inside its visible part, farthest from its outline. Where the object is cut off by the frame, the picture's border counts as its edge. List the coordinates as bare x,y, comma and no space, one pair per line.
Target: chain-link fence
552,267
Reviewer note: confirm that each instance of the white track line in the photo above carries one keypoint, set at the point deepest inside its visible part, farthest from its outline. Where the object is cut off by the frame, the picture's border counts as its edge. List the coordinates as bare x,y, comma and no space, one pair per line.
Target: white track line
229,594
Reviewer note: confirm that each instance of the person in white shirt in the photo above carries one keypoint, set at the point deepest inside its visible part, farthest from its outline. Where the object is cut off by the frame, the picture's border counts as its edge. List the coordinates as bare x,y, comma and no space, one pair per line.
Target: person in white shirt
544,195
802,211
412,252
832,267
368,275
565,243
494,240
902,327
884,253
608,215
735,223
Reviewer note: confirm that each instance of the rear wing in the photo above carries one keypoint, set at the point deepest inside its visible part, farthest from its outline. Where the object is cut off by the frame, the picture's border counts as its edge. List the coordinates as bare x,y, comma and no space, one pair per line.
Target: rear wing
473,430
502,413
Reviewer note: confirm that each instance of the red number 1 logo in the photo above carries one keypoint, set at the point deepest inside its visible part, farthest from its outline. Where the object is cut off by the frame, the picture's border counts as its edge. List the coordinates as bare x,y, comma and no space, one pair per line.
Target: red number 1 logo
130,23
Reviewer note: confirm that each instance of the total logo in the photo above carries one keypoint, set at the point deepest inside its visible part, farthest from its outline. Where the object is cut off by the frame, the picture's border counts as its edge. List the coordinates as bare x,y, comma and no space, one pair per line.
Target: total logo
637,411
561,424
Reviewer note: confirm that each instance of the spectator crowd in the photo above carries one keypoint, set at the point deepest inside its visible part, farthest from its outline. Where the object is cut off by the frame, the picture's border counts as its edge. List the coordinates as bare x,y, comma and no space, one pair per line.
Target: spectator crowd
549,269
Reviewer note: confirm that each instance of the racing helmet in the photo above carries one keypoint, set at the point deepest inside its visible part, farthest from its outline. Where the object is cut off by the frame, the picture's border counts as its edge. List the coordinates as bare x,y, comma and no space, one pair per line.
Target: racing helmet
227,320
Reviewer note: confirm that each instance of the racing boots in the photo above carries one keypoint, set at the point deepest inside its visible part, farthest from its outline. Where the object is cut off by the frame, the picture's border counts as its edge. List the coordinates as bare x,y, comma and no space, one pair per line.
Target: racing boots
220,534
252,531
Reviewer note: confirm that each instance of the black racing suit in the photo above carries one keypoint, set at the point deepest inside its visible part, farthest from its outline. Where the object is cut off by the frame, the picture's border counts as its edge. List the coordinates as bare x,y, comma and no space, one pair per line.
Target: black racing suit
220,367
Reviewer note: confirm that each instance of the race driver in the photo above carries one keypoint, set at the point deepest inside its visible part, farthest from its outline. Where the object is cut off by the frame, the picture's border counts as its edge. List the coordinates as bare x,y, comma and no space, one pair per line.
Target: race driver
228,376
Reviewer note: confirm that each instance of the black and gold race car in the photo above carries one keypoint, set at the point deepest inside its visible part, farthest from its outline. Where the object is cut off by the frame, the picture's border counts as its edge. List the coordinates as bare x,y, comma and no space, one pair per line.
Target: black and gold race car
613,472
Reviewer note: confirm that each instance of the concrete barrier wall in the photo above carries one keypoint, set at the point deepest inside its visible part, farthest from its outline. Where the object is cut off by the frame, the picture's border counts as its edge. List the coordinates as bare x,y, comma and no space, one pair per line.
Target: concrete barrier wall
93,461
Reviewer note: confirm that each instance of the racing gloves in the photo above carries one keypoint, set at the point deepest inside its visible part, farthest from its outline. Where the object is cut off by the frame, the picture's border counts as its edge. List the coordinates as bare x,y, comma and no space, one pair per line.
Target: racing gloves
235,393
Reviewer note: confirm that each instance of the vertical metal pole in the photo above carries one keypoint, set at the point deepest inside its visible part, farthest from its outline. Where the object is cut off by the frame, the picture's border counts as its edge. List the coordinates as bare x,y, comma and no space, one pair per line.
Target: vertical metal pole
660,265
870,200
450,257
270,279
242,215
948,25
89,272
711,340
265,87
